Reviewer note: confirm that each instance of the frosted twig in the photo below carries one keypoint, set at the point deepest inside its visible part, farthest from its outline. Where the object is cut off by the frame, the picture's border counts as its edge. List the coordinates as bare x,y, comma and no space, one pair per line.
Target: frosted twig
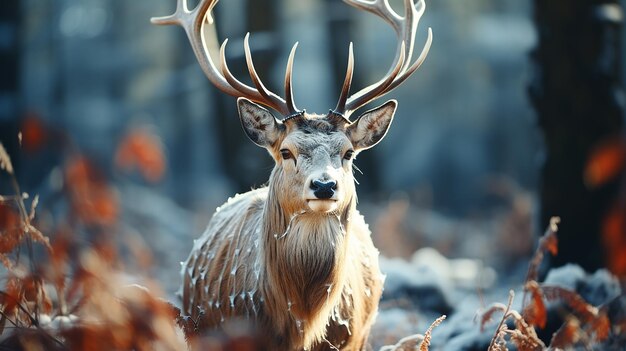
293,217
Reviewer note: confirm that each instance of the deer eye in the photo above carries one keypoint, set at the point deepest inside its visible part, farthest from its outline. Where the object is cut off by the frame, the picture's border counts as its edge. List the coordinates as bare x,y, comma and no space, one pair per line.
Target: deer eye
348,155
286,154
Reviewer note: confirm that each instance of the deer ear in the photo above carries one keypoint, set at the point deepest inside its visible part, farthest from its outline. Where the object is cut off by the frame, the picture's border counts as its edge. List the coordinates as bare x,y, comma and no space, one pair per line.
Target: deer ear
258,123
371,126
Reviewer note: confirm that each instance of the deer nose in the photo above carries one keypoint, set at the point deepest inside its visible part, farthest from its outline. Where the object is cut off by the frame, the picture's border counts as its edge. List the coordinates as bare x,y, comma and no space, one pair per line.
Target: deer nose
323,190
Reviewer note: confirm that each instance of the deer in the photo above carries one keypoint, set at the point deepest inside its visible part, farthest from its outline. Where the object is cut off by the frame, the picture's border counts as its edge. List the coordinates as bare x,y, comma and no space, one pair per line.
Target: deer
295,256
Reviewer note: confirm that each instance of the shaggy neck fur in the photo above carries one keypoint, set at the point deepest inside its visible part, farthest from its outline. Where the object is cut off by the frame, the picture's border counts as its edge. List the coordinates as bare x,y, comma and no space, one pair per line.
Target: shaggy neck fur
304,255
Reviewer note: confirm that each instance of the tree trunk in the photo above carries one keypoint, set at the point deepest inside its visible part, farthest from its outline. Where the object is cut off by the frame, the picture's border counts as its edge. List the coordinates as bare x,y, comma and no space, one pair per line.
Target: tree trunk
242,160
576,91
10,108
339,29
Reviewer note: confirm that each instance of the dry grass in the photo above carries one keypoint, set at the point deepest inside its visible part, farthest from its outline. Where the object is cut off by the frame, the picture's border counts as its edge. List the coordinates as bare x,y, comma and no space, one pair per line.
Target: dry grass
74,296
585,325
417,341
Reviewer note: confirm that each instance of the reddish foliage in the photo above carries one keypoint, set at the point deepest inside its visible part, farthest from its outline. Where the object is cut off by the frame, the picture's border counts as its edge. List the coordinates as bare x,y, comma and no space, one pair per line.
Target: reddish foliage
103,314
34,133
606,162
131,319
593,320
91,198
487,315
27,339
614,239
116,317
535,312
524,336
567,335
549,242
11,232
143,150
22,298
93,309
584,323
56,271
15,228
601,327
11,297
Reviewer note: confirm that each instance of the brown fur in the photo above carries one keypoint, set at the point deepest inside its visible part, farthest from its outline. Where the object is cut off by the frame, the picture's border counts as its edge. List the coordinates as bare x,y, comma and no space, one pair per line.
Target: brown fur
310,280
295,256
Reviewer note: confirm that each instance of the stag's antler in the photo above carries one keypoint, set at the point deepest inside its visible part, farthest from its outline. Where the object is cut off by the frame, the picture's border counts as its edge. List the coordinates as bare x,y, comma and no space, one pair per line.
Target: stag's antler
193,22
405,28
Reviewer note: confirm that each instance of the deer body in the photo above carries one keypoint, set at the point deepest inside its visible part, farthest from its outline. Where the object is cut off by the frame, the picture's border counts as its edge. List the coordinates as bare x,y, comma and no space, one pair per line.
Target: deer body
320,281
296,257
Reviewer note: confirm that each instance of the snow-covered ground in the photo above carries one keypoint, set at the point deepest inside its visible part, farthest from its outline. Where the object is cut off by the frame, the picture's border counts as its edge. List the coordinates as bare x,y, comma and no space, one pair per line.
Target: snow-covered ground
419,287
420,290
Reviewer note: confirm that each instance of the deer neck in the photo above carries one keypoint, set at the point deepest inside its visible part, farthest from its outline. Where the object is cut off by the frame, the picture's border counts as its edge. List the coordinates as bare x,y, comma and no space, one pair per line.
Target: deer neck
304,255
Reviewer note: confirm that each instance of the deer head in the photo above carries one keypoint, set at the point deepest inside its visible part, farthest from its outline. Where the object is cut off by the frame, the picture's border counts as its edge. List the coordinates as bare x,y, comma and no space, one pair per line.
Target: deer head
313,153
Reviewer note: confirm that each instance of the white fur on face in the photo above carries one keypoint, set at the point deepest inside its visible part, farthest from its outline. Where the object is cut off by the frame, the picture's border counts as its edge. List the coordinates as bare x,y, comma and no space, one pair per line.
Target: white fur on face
317,156
324,206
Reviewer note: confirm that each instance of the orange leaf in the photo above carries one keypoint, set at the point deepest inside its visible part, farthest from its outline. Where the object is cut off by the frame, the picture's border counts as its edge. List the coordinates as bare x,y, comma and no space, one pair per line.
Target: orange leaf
59,259
549,241
11,233
535,312
567,335
11,296
34,133
601,327
92,199
10,228
613,229
143,150
606,162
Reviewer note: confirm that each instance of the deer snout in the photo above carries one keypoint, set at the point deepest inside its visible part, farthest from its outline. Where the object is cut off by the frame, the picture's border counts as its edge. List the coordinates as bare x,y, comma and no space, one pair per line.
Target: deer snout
322,194
323,190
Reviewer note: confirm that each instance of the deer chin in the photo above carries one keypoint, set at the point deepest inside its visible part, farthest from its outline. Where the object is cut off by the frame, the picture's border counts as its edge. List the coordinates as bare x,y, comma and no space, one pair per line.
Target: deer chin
324,206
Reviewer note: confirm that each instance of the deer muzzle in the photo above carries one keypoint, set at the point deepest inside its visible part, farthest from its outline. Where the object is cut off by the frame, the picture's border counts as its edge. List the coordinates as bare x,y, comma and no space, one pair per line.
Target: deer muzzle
322,195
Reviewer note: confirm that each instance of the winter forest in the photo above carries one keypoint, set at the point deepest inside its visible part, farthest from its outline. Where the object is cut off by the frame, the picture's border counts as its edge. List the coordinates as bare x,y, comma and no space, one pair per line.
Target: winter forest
496,200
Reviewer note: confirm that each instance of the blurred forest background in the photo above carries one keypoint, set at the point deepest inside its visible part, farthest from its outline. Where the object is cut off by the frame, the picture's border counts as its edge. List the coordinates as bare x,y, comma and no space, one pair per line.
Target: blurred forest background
92,82
516,116
93,68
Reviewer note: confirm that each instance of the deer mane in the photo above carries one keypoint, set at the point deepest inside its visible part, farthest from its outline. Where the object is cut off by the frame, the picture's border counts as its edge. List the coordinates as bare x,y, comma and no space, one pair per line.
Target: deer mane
304,262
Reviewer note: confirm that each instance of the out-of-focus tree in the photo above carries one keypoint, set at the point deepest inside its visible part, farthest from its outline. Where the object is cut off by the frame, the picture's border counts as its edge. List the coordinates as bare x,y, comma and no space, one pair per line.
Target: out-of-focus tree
341,29
243,160
9,73
576,91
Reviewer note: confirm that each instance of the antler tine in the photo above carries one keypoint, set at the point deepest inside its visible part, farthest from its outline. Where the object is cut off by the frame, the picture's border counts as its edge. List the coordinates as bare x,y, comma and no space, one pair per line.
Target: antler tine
288,87
345,89
176,18
405,28
230,78
364,96
193,22
420,59
276,102
380,8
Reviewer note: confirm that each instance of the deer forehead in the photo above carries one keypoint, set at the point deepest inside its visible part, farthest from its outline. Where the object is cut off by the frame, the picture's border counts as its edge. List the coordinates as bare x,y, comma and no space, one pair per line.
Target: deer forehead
310,133
314,144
